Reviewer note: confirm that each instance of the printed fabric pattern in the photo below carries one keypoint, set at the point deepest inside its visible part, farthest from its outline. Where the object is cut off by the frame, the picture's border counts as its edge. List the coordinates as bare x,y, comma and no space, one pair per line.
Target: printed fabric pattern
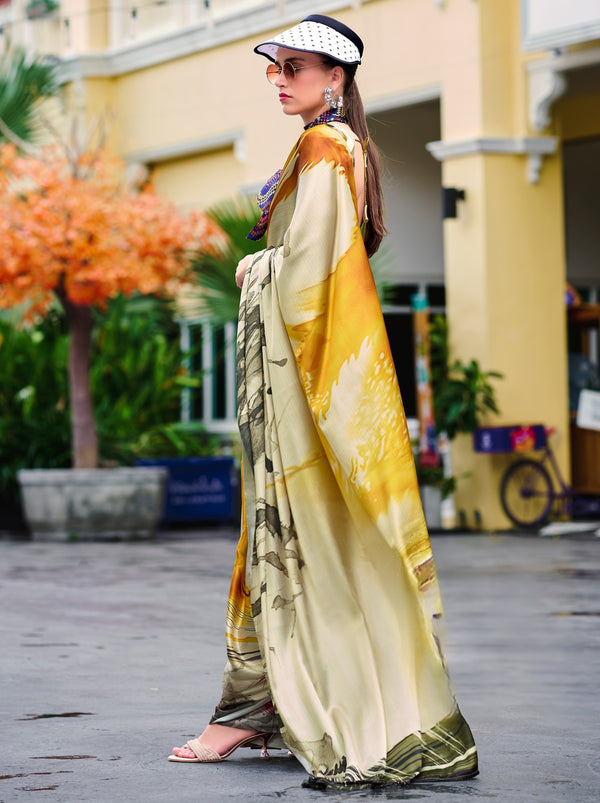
334,609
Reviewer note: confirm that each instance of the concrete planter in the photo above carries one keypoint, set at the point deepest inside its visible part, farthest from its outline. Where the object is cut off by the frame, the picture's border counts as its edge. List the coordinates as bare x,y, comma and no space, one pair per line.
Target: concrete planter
92,504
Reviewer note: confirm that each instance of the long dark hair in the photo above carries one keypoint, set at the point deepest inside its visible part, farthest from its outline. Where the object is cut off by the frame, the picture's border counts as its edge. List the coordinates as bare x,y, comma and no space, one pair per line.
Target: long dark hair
375,228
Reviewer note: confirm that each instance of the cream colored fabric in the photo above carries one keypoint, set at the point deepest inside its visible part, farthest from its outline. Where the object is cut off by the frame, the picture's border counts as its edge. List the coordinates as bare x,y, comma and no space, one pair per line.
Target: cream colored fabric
334,597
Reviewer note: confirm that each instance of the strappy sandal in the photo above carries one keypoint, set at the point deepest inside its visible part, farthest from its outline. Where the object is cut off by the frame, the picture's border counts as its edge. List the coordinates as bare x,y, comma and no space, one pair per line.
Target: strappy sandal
206,754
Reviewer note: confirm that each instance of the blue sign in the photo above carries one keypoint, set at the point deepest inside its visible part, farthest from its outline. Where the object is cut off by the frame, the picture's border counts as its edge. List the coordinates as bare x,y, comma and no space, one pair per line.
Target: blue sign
197,489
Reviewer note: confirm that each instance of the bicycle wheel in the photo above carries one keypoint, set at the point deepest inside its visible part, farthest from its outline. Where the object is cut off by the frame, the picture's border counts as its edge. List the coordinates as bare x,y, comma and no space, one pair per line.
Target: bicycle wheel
526,493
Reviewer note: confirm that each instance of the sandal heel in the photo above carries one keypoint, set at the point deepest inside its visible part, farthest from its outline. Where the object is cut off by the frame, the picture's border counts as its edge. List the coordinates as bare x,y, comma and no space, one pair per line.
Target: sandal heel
264,753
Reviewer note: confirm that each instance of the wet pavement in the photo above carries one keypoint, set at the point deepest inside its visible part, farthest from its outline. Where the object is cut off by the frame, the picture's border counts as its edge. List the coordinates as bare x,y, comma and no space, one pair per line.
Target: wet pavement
112,653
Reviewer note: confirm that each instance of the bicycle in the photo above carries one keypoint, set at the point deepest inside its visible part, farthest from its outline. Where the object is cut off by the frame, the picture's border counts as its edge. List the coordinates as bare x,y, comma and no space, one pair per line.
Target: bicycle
527,493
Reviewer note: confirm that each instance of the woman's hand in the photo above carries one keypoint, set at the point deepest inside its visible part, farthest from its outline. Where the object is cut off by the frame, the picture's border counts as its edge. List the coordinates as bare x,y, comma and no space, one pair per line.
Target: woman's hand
241,270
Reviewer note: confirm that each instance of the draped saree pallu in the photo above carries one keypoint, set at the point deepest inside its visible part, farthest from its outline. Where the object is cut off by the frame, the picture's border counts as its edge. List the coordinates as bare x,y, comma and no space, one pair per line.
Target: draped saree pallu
334,604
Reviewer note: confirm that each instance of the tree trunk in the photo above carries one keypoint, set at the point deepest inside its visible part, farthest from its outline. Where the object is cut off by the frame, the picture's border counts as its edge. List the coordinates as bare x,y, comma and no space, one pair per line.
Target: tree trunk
84,440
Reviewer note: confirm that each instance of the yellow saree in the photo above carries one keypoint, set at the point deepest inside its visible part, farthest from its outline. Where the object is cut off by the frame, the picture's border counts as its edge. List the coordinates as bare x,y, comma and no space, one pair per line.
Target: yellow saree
334,599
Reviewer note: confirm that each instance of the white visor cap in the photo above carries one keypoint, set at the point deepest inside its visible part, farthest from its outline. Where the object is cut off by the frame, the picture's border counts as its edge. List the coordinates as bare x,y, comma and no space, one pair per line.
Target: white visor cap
317,34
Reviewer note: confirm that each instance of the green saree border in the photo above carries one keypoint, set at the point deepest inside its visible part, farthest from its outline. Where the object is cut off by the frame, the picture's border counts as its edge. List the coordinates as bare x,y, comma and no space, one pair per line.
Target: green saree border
445,752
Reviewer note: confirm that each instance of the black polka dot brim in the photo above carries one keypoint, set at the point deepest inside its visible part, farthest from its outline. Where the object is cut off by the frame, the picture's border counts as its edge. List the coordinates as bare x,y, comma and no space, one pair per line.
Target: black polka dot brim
317,34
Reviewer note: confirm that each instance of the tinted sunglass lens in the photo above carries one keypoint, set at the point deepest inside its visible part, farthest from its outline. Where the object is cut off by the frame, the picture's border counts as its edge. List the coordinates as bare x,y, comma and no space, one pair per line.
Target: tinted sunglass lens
289,71
272,72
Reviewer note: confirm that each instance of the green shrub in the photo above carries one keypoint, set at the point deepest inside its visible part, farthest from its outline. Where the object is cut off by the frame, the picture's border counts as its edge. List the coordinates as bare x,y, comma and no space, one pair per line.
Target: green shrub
34,424
136,376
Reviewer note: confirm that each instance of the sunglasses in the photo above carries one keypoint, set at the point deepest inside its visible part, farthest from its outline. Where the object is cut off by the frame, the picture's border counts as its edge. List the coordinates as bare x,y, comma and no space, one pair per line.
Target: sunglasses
288,70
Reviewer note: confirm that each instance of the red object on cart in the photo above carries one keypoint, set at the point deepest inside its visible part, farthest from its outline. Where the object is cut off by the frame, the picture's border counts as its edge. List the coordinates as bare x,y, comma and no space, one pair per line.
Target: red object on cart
508,439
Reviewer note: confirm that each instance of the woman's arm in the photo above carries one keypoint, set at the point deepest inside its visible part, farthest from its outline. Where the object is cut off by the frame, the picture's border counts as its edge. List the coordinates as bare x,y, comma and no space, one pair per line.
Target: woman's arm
241,269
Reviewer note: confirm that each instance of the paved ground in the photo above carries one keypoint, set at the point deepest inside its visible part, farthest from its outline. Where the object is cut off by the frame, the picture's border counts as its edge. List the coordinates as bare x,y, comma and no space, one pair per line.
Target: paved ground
127,639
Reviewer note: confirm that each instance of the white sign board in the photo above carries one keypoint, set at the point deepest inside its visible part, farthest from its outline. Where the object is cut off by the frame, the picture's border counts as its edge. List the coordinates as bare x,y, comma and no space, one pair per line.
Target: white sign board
588,410
546,24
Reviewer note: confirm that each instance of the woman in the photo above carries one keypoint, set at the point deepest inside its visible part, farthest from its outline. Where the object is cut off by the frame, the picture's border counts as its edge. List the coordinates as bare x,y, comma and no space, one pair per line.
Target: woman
334,604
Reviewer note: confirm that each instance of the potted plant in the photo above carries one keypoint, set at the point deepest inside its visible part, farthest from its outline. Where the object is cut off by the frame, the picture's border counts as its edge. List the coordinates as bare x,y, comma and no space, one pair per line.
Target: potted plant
435,487
462,396
462,392
77,229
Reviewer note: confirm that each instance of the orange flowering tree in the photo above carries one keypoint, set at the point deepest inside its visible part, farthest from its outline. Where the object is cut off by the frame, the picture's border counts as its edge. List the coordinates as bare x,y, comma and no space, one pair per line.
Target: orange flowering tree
77,230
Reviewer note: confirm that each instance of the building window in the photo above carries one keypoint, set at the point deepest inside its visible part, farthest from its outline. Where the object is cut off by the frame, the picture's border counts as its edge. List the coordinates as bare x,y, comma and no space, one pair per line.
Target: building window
210,355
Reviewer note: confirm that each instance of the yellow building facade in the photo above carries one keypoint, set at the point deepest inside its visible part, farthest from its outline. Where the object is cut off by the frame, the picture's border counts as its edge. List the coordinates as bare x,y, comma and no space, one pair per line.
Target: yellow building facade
499,98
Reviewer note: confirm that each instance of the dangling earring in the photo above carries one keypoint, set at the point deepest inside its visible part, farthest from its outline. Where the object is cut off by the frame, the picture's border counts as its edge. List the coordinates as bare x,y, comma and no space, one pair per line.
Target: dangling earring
340,105
329,97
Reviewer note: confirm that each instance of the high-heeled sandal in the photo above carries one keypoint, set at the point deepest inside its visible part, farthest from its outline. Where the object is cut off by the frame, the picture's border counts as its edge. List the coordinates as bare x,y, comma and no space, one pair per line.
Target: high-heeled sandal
206,754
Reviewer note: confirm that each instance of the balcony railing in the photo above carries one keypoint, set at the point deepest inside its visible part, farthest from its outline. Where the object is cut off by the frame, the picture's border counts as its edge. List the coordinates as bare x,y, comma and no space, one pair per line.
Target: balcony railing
135,21
118,27
549,24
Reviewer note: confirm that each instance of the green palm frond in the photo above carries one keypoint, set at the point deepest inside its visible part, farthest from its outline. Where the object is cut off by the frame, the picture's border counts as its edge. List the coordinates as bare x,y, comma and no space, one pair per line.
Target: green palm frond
23,82
217,294
384,269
